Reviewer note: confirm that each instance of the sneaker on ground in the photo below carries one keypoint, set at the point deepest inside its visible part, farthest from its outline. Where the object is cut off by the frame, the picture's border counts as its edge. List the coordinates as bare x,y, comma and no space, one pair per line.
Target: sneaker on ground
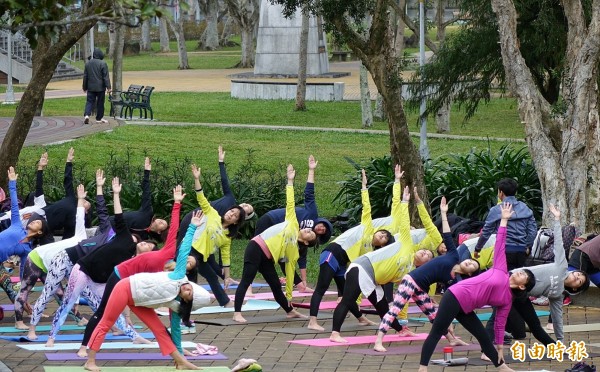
102,121
541,301
567,301
185,330
86,120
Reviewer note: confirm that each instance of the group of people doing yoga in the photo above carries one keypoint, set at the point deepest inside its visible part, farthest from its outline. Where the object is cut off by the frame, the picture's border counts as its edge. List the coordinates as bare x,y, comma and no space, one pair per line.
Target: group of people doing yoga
120,268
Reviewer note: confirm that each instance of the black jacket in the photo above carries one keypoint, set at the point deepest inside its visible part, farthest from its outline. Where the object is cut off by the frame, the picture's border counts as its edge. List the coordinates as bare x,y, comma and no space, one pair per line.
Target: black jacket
95,74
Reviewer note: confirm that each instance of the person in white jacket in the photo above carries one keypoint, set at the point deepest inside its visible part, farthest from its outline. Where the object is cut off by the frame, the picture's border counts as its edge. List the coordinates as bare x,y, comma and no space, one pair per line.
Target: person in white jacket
145,292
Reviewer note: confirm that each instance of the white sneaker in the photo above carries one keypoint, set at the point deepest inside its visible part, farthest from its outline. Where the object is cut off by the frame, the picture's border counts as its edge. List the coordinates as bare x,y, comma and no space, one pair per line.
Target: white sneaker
541,301
86,119
185,330
102,121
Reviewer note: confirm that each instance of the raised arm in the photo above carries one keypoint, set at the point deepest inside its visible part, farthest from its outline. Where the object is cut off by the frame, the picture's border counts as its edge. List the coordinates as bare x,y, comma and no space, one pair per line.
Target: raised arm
404,218
395,212
224,179
39,176
310,204
101,209
290,203
168,250
120,225
447,232
559,250
14,200
68,178
433,238
146,204
500,246
365,218
186,246
202,201
80,215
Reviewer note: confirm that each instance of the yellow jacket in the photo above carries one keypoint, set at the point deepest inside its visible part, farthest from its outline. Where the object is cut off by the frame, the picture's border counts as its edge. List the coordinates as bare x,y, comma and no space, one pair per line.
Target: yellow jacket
282,241
213,236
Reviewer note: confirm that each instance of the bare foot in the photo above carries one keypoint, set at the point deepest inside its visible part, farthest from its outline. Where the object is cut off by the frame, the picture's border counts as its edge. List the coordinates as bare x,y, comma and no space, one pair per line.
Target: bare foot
82,352
294,314
339,299
504,368
82,322
363,320
335,337
379,347
50,342
406,332
229,304
31,334
185,365
141,340
249,292
237,317
458,342
312,324
20,325
89,366
484,357
422,369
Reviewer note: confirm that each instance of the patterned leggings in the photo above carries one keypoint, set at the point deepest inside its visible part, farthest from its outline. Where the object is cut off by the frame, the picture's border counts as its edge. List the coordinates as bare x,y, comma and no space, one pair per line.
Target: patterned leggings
406,290
60,268
31,274
6,284
81,284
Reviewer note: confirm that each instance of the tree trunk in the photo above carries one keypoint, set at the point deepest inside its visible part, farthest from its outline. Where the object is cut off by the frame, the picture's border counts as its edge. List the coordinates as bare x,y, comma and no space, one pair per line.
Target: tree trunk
379,112
164,36
45,58
85,48
563,147
439,20
117,78
399,34
247,47
365,98
177,28
302,63
210,37
442,118
146,44
111,40
226,34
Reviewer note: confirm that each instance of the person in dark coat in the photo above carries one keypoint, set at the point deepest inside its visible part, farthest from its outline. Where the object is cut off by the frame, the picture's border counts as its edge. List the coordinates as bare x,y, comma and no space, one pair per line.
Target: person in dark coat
96,84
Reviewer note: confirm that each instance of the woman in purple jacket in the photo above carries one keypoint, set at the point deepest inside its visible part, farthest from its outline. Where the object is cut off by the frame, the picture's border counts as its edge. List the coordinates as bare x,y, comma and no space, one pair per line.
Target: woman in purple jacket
495,287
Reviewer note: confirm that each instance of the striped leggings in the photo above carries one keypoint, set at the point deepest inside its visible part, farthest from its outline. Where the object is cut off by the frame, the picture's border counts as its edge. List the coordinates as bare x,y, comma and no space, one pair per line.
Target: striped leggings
406,290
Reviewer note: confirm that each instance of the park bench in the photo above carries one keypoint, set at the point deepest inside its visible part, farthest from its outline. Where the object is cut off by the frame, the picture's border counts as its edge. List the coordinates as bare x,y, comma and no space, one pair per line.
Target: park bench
140,101
340,55
118,99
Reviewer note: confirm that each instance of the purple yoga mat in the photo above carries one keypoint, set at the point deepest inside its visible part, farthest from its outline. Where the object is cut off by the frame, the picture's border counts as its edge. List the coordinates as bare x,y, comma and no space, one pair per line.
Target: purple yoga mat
411,349
10,307
129,356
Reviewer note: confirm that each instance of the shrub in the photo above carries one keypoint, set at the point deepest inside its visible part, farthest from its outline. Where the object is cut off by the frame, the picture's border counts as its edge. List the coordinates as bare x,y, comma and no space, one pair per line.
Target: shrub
468,181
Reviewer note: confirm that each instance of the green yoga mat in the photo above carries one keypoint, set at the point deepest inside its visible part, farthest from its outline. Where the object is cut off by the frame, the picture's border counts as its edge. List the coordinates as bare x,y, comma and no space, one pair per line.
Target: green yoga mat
484,317
130,369
46,328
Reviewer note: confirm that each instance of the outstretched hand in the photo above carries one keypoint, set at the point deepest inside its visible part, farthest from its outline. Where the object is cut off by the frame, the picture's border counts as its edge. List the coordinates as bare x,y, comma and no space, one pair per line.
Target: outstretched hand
196,171
417,197
555,212
100,180
70,155
291,172
406,194
197,218
12,176
221,154
81,193
43,161
178,194
312,163
364,179
398,173
507,211
116,186
443,205
147,165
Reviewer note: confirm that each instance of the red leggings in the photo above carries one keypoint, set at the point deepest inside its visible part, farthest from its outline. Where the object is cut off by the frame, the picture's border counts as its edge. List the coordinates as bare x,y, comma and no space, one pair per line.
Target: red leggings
119,298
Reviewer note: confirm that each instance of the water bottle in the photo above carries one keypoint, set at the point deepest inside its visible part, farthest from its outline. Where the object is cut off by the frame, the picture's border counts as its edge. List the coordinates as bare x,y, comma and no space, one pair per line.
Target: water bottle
448,353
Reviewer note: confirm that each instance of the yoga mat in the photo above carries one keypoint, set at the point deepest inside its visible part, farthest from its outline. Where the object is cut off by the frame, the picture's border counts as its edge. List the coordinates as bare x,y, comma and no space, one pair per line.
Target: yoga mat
129,369
483,317
234,286
257,320
269,295
105,346
411,349
357,340
251,305
46,328
578,328
329,305
10,307
354,327
129,356
71,337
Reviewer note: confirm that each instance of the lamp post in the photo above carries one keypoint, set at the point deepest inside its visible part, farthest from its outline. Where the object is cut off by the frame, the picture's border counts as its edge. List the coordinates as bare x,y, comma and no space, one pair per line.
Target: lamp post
9,97
423,147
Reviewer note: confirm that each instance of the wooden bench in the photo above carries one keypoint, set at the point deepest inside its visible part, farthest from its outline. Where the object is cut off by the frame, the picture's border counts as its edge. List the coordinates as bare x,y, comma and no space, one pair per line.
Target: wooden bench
340,55
119,99
140,101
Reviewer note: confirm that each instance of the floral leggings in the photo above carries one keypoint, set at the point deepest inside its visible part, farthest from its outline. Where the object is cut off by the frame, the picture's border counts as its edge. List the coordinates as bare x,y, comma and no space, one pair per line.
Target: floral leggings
60,268
31,274
407,289
81,284
6,284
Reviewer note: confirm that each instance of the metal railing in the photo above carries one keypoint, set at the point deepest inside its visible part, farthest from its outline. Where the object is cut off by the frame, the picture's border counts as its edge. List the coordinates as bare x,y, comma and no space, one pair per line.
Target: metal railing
21,51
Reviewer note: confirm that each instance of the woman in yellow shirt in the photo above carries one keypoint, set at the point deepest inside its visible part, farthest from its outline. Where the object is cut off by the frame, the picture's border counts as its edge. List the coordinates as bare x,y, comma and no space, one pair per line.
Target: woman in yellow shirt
279,243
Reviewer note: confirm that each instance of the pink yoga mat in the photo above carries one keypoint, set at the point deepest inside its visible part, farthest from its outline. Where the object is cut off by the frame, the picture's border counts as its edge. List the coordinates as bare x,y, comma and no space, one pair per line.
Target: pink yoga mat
412,349
129,356
358,340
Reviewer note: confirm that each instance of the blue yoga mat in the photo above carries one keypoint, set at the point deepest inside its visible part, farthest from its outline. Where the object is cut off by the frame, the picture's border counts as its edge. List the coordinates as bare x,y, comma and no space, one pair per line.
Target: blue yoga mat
483,317
71,337
46,328
234,286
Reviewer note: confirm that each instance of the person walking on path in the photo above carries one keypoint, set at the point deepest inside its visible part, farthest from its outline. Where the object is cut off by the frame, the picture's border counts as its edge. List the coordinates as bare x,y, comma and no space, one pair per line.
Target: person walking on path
96,84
